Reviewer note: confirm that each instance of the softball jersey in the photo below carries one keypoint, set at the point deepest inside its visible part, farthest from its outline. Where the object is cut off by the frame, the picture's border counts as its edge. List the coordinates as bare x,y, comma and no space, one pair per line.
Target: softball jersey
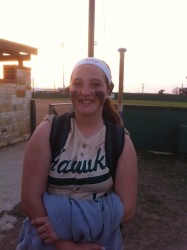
80,170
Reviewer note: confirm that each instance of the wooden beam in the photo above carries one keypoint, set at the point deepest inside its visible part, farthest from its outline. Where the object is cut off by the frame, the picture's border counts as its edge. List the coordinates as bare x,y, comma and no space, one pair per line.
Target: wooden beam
15,58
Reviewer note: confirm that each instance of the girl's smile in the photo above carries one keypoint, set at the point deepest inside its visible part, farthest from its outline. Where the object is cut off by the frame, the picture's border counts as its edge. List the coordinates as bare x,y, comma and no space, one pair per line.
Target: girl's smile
88,89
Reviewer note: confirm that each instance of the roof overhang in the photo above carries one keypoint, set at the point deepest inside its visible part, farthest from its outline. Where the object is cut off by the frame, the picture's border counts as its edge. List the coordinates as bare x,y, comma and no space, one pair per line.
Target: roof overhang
11,51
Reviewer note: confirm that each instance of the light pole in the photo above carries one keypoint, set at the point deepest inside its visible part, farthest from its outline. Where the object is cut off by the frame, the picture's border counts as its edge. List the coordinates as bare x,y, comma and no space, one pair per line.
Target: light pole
143,87
62,45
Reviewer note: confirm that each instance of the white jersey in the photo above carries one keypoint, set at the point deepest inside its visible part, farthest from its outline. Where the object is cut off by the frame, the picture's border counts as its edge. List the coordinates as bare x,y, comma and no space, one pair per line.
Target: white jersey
80,169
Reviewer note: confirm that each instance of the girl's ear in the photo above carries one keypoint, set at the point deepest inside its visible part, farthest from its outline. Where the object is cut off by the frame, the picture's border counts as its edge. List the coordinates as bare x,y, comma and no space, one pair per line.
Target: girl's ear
111,88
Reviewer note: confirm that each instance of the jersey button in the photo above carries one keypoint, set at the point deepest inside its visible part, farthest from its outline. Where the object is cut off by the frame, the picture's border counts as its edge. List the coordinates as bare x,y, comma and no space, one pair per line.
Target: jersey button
84,145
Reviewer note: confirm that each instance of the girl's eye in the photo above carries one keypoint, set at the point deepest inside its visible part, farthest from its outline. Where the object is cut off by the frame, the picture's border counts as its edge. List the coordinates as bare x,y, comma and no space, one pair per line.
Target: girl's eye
96,84
76,83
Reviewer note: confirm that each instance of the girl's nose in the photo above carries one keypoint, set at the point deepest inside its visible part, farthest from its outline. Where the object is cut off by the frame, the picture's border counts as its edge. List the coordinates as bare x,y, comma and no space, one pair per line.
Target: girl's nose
85,89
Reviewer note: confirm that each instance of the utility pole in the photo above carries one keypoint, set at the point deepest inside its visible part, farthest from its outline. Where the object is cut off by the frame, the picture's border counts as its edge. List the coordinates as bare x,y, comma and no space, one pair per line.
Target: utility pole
91,28
121,78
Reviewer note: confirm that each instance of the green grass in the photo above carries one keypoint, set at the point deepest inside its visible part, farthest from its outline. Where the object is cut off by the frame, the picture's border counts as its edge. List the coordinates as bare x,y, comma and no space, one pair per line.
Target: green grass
130,102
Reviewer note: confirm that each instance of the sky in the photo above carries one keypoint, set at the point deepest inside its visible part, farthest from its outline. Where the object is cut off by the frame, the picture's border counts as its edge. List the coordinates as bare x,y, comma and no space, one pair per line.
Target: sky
154,32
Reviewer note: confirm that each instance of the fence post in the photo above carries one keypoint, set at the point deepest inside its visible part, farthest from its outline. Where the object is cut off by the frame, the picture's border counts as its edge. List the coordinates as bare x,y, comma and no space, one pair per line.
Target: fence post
33,115
121,77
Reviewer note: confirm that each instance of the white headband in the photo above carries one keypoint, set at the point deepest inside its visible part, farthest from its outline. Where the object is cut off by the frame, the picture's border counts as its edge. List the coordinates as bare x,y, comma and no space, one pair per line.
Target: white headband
99,63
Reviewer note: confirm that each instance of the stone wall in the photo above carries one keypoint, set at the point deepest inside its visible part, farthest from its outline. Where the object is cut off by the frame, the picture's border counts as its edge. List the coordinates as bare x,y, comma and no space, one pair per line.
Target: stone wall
15,97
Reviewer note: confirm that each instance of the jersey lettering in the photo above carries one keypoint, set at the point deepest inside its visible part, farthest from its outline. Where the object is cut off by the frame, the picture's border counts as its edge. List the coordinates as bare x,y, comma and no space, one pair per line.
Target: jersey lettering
79,167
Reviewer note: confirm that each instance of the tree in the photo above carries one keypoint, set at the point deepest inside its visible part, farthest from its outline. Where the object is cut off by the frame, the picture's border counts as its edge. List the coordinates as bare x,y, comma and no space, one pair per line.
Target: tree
161,91
175,91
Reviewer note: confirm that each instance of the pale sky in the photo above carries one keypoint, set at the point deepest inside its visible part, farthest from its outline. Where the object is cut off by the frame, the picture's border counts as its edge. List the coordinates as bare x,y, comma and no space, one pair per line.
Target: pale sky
154,32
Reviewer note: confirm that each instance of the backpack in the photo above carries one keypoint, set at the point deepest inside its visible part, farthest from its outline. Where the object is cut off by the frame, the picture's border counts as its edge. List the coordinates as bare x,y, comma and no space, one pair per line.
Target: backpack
114,140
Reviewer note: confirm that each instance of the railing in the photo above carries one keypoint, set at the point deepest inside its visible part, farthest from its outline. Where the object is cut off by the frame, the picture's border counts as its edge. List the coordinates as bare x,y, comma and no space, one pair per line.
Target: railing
59,108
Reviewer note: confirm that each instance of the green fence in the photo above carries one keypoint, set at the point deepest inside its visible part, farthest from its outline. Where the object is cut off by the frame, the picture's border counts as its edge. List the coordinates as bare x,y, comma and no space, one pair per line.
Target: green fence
161,129
49,95
154,128
153,97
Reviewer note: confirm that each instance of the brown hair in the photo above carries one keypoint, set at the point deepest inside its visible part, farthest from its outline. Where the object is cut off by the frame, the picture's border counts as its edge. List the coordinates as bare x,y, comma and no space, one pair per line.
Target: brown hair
110,113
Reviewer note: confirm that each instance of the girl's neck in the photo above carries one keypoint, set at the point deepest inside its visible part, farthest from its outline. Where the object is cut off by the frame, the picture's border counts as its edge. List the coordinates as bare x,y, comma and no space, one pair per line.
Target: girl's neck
89,125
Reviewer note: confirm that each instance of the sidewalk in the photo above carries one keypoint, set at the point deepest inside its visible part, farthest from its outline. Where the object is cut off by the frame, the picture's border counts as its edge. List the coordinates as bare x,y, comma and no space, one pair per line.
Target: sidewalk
11,159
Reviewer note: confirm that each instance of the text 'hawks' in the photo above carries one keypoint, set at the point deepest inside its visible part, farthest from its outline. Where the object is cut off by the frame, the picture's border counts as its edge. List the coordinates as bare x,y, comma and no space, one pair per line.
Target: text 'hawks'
74,166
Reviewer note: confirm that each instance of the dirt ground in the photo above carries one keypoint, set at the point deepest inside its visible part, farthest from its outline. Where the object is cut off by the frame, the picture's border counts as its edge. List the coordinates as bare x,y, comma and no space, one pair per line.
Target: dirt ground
161,218
42,107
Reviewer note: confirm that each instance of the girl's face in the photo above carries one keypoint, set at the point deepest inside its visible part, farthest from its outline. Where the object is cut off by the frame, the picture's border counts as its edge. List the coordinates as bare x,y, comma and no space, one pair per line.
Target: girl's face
88,89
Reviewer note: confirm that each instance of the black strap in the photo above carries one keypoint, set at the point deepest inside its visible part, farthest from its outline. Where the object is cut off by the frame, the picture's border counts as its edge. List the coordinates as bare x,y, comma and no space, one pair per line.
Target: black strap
59,132
114,143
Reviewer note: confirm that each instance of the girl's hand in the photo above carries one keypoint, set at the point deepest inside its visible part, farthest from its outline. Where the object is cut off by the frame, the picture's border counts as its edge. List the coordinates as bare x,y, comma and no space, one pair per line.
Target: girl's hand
47,234
45,230
70,245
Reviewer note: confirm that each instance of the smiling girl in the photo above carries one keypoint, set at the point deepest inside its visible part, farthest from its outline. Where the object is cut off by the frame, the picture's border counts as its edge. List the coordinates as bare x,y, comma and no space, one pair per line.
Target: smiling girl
78,179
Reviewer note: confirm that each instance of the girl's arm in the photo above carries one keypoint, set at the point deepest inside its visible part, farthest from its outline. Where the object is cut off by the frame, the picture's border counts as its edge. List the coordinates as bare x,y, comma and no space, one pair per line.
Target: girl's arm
36,167
126,179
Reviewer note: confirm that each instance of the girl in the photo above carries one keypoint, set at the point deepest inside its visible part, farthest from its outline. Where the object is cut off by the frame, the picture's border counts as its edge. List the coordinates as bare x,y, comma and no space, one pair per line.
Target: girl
51,189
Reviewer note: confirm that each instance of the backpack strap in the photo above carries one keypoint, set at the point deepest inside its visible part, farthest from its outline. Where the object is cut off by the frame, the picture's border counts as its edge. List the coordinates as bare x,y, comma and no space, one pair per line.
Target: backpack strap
60,128
114,142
